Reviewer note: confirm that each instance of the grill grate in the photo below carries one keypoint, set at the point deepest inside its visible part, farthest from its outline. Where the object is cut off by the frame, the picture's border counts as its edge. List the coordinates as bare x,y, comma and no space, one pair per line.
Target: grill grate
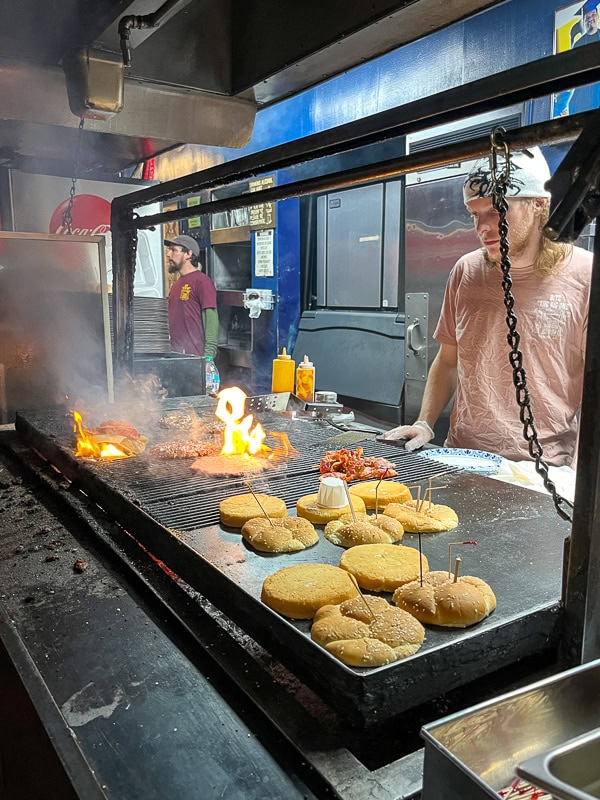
181,499
201,509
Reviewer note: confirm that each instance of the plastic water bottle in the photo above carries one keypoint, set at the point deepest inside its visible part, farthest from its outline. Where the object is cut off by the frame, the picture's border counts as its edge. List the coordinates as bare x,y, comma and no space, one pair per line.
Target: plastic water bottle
213,379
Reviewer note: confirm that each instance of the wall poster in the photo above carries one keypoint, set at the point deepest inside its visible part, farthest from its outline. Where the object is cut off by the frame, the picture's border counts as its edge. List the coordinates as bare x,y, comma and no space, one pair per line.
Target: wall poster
575,25
263,254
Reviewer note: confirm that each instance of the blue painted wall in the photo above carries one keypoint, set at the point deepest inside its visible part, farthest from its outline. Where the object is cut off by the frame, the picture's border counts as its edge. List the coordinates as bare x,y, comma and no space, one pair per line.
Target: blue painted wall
512,33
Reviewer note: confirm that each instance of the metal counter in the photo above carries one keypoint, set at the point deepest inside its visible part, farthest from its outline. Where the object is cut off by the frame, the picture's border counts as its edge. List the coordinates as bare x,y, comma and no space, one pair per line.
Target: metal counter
125,652
473,754
132,706
172,511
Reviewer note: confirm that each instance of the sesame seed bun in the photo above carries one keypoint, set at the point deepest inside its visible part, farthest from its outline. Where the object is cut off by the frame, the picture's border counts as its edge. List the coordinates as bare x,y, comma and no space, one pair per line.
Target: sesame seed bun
441,601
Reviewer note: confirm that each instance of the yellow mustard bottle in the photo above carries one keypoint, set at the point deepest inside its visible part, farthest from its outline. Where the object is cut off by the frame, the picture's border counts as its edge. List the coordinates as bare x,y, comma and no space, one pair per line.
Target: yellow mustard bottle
282,376
305,381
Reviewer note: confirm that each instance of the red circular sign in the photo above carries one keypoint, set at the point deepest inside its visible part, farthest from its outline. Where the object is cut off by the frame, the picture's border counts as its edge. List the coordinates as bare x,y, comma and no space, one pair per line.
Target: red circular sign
90,214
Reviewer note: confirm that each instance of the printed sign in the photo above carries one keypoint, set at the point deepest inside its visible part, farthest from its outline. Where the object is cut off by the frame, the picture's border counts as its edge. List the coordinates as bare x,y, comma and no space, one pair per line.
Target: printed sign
193,222
263,254
262,216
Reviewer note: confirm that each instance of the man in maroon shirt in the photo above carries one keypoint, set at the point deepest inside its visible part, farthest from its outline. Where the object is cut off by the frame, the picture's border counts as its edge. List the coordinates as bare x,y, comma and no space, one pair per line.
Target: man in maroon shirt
193,318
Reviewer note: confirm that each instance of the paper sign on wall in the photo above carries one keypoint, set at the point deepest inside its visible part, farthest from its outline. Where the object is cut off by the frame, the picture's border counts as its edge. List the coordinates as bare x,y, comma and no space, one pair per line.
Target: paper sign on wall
263,253
263,215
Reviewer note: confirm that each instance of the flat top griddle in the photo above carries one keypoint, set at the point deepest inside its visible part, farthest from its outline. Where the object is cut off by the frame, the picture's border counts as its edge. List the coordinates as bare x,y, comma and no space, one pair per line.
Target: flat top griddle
174,513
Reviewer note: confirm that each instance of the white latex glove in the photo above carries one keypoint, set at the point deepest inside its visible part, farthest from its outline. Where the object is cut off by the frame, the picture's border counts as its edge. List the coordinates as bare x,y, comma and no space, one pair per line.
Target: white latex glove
417,434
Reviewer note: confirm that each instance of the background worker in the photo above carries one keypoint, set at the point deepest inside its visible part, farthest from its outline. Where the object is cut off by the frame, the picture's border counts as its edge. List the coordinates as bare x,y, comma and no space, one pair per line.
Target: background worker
193,317
551,290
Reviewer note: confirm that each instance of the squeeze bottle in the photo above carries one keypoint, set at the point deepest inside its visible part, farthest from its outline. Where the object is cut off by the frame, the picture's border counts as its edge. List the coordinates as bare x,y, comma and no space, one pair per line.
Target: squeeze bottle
282,376
305,381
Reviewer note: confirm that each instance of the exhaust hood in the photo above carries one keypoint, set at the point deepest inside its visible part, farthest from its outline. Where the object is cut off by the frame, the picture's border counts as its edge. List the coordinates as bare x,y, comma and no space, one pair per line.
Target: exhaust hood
197,76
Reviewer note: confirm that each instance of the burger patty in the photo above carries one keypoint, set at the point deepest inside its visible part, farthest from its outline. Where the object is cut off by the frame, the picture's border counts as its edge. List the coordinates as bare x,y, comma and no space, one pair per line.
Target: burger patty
185,449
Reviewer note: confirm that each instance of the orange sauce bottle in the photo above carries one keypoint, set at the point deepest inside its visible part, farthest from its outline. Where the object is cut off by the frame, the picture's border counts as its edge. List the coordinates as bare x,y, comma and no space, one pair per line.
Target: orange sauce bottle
282,376
305,381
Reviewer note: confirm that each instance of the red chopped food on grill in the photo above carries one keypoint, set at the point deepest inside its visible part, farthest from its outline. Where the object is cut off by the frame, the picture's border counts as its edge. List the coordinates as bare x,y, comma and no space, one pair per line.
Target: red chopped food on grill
351,465
116,427
185,449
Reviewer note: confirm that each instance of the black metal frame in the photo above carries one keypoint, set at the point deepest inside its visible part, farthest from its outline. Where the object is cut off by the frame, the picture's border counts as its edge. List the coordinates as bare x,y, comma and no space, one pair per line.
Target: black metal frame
554,73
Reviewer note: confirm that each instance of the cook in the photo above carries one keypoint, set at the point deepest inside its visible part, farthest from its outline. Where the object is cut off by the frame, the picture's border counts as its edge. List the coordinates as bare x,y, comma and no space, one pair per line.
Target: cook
551,285
193,317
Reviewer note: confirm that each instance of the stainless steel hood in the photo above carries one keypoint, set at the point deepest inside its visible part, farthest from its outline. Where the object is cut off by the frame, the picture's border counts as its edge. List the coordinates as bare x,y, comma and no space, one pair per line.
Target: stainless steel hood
196,77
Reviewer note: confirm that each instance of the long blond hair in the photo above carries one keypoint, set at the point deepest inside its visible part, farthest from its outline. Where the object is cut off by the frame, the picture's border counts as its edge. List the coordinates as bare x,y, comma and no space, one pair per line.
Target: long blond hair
551,253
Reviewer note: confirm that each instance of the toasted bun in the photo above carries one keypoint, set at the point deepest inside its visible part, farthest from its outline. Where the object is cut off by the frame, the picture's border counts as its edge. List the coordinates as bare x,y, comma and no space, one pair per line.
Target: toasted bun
319,515
299,591
237,510
440,601
345,532
388,492
382,567
367,639
430,518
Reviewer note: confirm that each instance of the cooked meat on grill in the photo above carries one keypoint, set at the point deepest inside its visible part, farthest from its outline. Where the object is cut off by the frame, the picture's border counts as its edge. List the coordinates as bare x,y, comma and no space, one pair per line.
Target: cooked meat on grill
178,420
184,449
351,465
116,427
187,420
224,466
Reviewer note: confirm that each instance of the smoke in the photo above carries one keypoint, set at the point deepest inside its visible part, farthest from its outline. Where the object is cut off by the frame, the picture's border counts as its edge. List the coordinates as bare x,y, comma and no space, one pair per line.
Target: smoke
53,344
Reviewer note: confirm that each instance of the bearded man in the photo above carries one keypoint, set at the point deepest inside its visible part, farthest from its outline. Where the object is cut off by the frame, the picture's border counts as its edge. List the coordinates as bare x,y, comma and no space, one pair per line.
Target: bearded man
551,283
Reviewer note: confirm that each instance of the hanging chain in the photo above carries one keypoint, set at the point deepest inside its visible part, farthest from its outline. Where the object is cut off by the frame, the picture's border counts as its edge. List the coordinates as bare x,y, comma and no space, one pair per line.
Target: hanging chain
500,182
67,217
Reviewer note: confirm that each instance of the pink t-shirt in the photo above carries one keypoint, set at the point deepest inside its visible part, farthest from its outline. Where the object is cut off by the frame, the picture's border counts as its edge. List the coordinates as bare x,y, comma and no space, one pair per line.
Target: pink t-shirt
552,314
189,295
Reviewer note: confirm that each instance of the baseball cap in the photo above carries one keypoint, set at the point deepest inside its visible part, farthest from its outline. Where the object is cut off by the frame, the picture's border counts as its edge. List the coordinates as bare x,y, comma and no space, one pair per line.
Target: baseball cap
187,242
529,172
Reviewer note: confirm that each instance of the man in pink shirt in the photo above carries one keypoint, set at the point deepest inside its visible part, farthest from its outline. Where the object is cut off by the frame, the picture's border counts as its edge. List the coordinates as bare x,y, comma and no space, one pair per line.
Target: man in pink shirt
551,289
193,319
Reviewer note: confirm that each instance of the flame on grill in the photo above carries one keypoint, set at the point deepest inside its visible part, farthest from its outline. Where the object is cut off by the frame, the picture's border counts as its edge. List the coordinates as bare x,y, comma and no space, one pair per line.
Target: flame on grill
240,436
88,447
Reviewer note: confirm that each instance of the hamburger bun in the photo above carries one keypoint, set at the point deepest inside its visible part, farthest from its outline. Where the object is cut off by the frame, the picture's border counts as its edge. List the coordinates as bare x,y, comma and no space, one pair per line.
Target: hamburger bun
356,608
287,535
441,601
345,532
383,567
388,492
430,518
362,639
308,508
299,591
237,510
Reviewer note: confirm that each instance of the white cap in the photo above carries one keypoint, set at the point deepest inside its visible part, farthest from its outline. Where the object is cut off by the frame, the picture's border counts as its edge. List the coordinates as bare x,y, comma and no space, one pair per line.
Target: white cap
332,493
529,173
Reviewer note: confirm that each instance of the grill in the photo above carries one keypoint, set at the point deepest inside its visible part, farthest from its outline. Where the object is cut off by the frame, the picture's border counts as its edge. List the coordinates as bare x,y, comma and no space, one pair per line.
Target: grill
179,498
173,513
290,482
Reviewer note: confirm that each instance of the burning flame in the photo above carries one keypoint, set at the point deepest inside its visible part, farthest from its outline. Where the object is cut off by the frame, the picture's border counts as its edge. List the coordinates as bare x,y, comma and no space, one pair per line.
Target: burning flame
88,447
239,435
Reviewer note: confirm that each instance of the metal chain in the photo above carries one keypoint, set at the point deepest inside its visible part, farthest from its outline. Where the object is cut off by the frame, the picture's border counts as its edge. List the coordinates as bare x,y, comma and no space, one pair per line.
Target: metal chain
500,182
67,217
